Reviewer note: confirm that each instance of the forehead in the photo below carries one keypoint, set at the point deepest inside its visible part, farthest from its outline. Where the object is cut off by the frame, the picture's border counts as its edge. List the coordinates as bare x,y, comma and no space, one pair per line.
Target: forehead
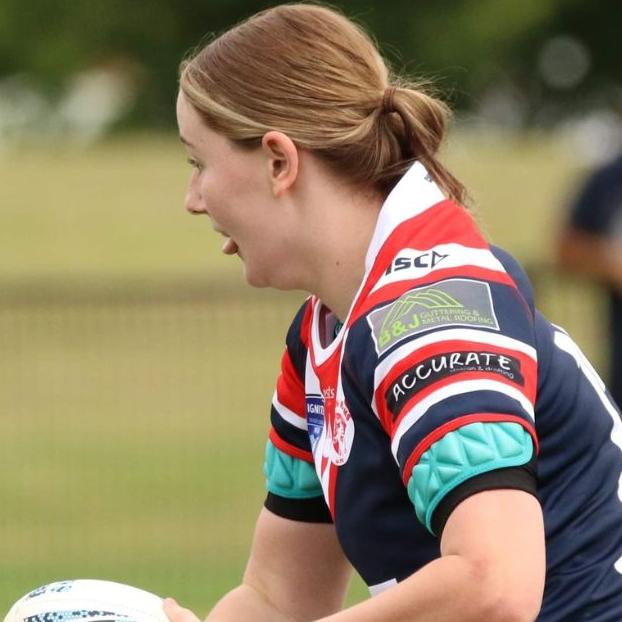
197,135
188,119
193,131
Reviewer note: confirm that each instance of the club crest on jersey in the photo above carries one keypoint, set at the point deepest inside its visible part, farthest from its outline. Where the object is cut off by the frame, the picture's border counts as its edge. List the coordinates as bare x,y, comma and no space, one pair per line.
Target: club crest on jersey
342,434
453,302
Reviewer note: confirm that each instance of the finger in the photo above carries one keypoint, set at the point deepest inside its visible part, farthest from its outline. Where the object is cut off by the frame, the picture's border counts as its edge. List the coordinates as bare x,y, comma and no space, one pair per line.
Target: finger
176,613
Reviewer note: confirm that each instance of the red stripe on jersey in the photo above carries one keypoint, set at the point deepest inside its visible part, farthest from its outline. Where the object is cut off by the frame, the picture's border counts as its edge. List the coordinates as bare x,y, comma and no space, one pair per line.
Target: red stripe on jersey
458,377
441,431
443,223
528,369
288,448
290,389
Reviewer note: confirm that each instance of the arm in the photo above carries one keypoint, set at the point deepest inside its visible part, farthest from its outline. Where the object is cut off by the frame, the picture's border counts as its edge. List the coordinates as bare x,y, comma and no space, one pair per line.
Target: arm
591,255
296,572
492,568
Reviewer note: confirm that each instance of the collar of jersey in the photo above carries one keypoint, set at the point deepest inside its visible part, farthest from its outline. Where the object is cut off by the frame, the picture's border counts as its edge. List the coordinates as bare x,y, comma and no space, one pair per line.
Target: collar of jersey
414,193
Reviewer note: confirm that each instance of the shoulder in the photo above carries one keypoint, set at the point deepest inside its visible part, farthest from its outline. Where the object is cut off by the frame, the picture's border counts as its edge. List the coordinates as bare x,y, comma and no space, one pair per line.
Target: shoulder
598,197
481,288
517,273
609,172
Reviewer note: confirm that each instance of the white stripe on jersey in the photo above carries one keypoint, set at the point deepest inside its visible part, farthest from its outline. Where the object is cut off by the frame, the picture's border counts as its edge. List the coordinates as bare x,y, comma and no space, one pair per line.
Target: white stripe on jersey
289,415
457,388
417,263
469,335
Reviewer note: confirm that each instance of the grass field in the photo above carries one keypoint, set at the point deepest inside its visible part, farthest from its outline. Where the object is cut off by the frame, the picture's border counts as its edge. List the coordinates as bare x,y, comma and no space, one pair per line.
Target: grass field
138,368
117,208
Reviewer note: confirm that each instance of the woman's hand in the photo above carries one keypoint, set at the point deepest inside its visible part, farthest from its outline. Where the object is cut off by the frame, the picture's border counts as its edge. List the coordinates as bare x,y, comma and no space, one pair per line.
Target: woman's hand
176,613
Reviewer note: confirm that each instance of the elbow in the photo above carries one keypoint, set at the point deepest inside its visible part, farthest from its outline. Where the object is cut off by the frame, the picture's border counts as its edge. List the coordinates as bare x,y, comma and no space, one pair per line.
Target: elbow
506,608
504,600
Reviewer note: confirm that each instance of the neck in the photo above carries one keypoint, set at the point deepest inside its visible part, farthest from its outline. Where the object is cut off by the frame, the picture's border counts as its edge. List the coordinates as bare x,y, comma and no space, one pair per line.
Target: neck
339,228
337,284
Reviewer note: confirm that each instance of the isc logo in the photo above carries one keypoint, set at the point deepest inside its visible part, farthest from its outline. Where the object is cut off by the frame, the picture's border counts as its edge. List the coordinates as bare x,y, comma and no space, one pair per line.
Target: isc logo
425,260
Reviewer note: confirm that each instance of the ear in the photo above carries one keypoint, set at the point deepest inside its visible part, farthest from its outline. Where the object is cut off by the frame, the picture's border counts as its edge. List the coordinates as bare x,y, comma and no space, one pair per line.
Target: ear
283,160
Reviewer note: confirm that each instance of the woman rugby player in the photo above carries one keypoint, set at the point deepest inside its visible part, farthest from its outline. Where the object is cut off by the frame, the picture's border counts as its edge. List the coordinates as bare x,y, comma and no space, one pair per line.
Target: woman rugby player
429,427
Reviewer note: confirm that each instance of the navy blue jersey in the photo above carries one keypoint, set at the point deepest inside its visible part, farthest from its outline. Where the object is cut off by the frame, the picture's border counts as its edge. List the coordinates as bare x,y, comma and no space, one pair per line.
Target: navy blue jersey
445,381
597,210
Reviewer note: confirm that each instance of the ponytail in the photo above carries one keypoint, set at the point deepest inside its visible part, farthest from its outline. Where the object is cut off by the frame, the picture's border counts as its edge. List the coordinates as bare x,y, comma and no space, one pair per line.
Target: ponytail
311,73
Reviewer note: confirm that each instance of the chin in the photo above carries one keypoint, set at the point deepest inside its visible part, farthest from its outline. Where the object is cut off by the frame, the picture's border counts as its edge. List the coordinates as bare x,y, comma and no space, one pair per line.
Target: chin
274,281
258,284
255,279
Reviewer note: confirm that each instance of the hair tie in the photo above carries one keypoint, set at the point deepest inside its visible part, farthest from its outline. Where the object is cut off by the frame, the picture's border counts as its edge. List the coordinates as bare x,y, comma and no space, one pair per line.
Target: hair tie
388,105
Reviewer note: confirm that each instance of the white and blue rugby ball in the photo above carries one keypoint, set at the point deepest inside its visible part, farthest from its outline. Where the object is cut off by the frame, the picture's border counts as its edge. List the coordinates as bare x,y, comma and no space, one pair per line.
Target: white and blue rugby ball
87,600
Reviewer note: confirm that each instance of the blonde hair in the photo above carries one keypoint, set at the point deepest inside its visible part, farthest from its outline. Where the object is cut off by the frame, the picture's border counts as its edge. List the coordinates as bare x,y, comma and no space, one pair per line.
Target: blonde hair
310,72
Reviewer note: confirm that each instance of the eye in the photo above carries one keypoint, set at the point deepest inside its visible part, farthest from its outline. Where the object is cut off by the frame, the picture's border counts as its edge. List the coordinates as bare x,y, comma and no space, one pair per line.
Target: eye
195,164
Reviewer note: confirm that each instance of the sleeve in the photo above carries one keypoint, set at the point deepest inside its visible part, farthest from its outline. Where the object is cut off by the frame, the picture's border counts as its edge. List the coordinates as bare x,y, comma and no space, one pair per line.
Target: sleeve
455,387
294,489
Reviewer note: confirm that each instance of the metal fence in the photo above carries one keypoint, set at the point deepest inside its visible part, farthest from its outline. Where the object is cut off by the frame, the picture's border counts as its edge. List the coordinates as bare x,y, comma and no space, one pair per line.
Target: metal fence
133,417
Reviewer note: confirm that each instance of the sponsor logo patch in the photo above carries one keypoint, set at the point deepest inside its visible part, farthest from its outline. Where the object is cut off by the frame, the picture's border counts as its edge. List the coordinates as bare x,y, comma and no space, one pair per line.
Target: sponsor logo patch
454,302
435,368
315,418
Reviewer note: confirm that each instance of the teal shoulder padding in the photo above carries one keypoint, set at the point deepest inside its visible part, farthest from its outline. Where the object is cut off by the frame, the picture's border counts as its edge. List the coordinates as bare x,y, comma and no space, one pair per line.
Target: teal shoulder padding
461,454
290,477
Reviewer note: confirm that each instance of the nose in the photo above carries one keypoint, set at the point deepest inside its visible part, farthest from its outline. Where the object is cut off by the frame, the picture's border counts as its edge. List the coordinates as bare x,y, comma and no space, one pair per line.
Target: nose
194,201
193,205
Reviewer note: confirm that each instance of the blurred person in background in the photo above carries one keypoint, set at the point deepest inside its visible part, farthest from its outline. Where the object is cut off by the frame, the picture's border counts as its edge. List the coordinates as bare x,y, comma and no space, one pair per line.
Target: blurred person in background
590,244
429,427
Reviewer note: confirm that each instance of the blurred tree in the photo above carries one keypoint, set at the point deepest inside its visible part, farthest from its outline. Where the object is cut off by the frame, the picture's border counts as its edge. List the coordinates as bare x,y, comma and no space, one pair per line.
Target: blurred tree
469,45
